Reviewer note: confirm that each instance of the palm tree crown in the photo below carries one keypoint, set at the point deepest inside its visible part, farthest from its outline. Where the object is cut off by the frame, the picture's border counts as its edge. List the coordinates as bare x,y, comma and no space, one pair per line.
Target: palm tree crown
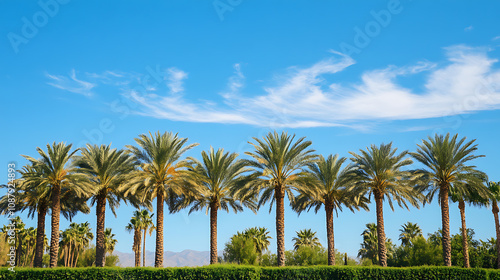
409,232
306,238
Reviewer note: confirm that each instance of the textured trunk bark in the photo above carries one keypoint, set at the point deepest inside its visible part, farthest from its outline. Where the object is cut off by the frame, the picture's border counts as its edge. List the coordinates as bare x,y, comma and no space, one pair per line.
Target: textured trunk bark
465,245
19,249
497,230
144,249
445,214
382,250
213,232
159,230
330,234
76,259
100,250
279,194
137,247
54,235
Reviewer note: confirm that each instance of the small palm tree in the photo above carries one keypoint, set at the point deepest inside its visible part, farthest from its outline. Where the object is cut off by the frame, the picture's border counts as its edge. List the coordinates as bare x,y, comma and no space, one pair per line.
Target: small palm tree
260,237
326,186
105,170
378,171
57,174
135,226
446,159
158,155
369,247
213,183
494,189
146,224
409,232
278,159
109,240
305,238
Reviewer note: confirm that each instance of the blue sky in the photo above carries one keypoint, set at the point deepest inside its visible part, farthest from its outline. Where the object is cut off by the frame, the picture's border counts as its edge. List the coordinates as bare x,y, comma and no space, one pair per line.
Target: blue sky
344,74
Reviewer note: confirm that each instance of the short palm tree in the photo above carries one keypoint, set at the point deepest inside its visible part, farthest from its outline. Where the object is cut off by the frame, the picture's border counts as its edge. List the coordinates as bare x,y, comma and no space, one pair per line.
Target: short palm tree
105,170
135,226
213,183
57,173
260,237
146,224
377,171
326,186
279,160
446,159
158,155
109,240
369,247
305,238
409,232
494,189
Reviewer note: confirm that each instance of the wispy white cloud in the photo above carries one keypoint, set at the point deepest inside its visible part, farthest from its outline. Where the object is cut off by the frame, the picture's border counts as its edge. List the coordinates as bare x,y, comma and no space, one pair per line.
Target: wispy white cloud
495,38
71,83
469,28
306,97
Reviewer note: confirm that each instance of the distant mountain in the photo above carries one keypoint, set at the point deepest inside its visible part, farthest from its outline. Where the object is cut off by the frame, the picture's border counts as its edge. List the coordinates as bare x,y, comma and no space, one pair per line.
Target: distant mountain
184,258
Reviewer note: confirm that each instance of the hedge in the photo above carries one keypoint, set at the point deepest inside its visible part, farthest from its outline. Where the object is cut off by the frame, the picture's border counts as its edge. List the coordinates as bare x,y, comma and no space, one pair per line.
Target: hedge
228,272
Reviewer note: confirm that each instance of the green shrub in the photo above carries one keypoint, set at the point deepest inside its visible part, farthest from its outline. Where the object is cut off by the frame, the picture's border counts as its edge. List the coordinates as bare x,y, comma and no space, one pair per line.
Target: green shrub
234,272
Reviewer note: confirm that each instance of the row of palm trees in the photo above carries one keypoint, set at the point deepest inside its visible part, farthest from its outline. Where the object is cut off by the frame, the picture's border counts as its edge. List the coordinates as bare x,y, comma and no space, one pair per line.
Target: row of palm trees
140,223
279,166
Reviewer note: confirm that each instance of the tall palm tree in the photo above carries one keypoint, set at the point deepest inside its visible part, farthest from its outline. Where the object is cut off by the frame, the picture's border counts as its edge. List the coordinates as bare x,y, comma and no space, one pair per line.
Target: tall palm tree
135,226
105,170
279,160
158,155
494,189
409,232
326,186
213,183
446,159
35,196
146,224
377,171
54,165
305,238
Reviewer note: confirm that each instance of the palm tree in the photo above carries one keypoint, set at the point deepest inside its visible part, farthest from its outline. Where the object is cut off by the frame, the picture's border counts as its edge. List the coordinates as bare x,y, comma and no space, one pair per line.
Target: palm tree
305,238
105,170
157,175
327,187
146,223
369,247
213,183
279,160
260,237
494,189
446,159
109,240
135,225
378,171
409,232
55,172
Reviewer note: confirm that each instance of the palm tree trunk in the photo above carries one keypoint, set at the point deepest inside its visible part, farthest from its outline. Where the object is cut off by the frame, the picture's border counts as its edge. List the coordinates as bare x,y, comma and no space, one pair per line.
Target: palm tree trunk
54,235
382,250
66,256
329,233
77,255
445,217
465,245
137,247
144,249
213,232
40,235
100,254
495,211
159,230
280,224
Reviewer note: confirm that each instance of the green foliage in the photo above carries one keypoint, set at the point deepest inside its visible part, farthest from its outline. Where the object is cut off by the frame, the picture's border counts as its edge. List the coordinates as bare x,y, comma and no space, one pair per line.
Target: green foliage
417,253
240,250
231,272
481,253
306,255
